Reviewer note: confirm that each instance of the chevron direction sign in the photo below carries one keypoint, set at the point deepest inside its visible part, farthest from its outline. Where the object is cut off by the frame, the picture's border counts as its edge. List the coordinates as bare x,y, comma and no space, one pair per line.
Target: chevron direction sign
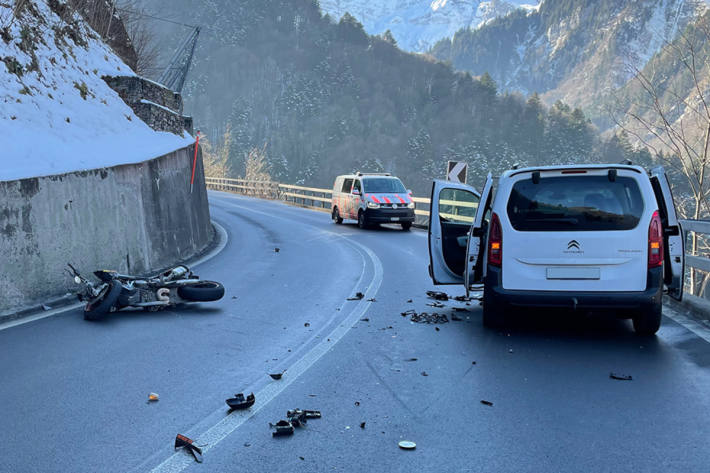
456,172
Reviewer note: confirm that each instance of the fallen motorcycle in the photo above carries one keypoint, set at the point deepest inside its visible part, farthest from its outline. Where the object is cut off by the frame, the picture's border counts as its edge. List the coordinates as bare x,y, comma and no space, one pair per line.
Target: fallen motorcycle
116,291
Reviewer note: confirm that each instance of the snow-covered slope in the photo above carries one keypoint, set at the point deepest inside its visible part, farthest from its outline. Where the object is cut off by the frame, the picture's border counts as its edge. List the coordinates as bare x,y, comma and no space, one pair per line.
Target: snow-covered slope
418,24
56,113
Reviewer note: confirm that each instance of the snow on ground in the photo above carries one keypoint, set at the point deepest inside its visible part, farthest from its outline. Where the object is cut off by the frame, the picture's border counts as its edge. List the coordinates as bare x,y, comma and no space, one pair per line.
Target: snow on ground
56,113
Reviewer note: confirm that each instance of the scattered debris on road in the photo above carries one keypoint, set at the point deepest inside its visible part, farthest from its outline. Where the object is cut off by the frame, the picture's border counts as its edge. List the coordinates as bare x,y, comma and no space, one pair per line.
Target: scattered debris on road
473,362
276,375
277,249
462,298
408,312
241,402
412,359
409,301
364,319
282,428
407,445
486,403
356,297
426,318
362,425
372,300
439,296
620,377
307,324
357,403
153,397
438,305
424,373
436,328
187,443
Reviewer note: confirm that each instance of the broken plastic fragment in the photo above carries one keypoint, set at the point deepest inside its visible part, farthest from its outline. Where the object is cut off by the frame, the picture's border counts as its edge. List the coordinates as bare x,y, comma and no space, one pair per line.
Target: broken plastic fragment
152,397
407,445
438,305
275,375
357,297
486,403
241,402
372,300
620,377
362,425
439,296
424,373
364,319
409,301
182,441
306,324
277,249
282,428
412,359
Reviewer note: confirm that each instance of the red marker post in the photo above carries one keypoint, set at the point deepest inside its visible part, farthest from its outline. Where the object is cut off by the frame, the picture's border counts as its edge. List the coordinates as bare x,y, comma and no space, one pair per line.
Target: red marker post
194,161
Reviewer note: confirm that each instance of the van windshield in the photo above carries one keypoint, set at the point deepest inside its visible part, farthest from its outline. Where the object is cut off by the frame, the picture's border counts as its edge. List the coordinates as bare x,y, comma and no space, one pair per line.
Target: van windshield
386,185
575,203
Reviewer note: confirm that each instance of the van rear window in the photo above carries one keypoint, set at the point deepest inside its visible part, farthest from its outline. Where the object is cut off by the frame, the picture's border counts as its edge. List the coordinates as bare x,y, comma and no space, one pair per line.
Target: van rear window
578,203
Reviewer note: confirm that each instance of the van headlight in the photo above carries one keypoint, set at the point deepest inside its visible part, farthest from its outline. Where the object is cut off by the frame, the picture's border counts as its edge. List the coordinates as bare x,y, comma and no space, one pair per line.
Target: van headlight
372,205
411,205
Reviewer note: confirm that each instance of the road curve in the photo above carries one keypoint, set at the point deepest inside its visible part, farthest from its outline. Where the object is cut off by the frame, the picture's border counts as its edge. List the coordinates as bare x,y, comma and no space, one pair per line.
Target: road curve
73,396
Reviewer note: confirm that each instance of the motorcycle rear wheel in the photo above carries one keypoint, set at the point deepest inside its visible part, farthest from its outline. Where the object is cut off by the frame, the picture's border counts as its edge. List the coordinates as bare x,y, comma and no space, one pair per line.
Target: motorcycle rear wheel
203,291
102,304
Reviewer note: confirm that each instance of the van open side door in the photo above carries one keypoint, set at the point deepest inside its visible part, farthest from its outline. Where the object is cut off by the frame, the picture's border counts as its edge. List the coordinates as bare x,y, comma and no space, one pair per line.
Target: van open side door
475,249
452,212
674,243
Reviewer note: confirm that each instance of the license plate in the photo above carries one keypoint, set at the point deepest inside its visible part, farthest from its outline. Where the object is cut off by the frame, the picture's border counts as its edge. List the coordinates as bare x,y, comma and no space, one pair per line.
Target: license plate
573,273
394,219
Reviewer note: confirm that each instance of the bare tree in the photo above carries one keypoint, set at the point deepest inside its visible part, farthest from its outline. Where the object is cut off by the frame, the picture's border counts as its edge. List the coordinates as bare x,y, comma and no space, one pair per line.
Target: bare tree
216,162
674,120
142,36
257,169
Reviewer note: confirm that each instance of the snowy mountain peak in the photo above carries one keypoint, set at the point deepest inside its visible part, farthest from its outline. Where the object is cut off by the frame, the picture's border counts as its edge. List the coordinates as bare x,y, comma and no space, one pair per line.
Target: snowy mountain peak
418,24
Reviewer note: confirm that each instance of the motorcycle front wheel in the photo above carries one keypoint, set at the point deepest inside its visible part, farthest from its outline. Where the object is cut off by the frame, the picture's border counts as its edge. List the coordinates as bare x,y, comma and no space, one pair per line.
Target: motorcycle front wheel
103,303
203,291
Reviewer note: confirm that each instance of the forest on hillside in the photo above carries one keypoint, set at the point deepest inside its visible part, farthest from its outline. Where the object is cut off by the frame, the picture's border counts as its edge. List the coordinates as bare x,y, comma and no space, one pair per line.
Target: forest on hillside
325,98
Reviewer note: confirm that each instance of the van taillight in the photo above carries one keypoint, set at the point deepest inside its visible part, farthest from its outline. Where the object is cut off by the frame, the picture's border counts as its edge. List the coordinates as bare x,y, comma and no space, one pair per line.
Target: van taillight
655,241
495,242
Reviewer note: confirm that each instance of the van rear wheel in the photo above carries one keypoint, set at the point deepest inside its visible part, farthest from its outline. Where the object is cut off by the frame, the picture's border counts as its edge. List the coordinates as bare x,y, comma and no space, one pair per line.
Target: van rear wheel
493,312
647,322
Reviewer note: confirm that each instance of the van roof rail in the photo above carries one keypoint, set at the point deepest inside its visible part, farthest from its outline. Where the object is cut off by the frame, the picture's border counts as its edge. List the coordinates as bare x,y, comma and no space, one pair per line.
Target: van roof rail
372,174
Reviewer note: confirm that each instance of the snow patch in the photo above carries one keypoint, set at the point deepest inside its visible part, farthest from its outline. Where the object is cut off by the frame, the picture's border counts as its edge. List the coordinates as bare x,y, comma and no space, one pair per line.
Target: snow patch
57,113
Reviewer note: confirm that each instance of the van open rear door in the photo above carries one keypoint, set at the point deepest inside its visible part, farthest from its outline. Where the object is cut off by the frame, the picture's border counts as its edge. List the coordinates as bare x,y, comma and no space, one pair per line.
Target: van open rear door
452,212
674,251
477,239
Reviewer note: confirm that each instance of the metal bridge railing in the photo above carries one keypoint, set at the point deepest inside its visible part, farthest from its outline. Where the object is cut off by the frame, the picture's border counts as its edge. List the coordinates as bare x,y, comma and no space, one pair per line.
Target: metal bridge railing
697,230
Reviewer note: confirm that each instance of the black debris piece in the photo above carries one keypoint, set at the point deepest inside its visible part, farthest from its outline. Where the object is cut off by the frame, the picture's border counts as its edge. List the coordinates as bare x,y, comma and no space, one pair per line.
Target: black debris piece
302,458
312,395
277,249
424,373
412,359
456,318
357,297
439,296
486,403
307,324
309,414
364,319
372,300
276,375
438,305
620,377
241,402
234,297
362,425
357,403
426,318
281,429
188,444
436,328
247,444
409,301
473,362
408,312
462,298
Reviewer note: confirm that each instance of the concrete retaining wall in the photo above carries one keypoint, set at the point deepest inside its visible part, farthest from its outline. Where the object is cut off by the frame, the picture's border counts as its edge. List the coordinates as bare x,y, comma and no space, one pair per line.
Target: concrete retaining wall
133,218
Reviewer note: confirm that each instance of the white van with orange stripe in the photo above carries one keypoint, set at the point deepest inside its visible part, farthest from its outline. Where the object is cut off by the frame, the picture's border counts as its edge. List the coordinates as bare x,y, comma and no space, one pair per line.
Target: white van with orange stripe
372,199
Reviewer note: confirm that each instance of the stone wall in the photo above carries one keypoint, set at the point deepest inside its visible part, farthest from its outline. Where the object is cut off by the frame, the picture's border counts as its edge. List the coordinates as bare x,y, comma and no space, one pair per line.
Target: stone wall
134,218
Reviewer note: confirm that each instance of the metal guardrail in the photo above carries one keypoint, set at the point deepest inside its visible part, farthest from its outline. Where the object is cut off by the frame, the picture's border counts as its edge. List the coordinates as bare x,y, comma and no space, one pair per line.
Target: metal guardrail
319,199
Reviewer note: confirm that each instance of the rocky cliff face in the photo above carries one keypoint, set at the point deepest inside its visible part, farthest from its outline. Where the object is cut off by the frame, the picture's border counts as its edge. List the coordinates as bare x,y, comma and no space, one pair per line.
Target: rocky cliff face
418,24
571,50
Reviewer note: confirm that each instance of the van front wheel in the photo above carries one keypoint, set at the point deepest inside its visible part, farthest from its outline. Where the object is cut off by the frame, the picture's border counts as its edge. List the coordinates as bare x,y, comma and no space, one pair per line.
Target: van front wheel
361,220
648,321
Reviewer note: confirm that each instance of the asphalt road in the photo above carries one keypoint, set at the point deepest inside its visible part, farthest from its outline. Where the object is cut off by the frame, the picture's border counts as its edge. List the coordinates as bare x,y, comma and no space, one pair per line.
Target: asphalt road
73,394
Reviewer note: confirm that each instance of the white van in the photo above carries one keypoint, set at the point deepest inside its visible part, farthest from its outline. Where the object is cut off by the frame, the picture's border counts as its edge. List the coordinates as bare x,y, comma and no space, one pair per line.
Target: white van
578,237
372,198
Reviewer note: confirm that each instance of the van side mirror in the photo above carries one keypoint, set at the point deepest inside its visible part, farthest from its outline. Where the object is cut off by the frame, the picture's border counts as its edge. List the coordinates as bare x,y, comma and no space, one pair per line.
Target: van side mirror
409,191
356,192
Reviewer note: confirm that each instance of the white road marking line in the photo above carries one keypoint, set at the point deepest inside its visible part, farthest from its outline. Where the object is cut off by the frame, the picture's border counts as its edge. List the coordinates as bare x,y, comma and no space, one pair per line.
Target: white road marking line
178,461
223,237
697,328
